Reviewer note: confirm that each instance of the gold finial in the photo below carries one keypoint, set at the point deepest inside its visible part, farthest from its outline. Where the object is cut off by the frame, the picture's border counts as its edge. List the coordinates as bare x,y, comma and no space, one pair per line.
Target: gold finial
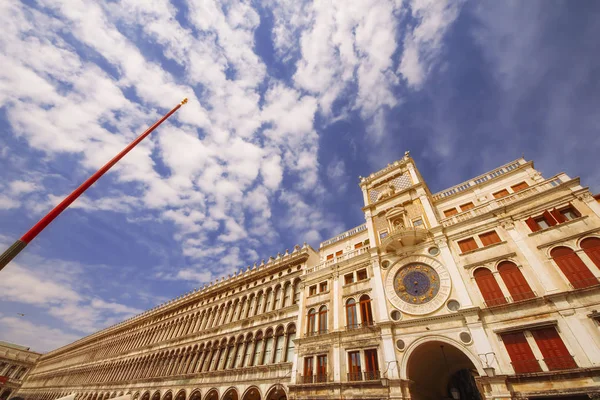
184,101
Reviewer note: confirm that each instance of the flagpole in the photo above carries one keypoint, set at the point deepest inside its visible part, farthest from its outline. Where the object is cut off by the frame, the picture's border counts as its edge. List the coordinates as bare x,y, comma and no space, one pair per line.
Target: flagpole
20,244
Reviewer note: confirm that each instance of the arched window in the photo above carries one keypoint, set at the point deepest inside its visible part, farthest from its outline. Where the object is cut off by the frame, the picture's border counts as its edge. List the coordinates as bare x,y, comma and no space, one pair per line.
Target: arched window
296,292
351,317
491,292
279,340
268,355
591,247
248,353
230,354
244,306
574,269
258,348
222,354
323,319
287,293
365,310
290,345
277,303
515,281
239,353
259,303
269,300
311,326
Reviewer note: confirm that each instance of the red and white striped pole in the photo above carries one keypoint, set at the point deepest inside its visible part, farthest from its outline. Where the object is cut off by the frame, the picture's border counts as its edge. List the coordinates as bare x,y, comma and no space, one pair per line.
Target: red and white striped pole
20,244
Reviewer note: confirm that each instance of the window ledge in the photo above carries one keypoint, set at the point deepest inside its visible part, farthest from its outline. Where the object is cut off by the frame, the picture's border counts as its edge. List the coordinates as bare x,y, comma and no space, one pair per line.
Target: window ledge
557,226
483,248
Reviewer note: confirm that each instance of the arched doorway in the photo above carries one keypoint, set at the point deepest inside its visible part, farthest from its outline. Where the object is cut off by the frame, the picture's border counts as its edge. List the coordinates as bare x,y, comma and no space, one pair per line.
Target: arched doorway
439,370
230,394
252,394
276,392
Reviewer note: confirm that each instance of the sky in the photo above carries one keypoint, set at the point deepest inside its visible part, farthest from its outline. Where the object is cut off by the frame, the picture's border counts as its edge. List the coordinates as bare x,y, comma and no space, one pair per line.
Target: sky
290,101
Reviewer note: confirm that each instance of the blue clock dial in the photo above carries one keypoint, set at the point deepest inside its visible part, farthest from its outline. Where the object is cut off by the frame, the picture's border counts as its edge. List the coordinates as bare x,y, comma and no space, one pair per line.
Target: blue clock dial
417,283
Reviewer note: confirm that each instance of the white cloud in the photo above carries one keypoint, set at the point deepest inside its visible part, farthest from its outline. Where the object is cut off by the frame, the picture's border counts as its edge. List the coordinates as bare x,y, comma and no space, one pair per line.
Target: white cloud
422,44
39,337
22,187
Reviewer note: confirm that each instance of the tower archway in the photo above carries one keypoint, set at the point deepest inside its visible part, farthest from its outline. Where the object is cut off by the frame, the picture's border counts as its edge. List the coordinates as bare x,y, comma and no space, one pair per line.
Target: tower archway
440,370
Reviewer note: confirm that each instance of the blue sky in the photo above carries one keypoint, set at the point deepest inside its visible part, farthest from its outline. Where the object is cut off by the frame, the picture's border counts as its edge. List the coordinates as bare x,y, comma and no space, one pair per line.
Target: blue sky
290,101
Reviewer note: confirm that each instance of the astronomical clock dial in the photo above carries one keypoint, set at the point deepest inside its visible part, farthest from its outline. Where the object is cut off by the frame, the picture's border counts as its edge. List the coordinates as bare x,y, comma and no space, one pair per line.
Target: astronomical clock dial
418,285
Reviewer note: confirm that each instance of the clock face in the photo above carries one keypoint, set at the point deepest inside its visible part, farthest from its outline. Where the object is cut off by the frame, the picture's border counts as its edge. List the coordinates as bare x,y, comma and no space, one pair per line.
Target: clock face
417,283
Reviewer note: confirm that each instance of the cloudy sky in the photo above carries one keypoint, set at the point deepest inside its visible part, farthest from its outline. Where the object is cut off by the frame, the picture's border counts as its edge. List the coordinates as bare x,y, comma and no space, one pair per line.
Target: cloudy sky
289,102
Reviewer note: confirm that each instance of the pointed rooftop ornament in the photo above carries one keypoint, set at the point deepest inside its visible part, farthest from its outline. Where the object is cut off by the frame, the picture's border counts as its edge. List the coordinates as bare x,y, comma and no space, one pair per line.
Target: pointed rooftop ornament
287,252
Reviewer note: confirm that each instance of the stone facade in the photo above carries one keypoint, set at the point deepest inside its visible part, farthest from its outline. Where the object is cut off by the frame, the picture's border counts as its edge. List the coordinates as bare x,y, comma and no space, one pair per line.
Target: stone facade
486,290
15,363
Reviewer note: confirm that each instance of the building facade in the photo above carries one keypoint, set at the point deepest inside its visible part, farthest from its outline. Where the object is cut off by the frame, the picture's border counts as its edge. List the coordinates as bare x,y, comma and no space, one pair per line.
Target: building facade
15,363
487,290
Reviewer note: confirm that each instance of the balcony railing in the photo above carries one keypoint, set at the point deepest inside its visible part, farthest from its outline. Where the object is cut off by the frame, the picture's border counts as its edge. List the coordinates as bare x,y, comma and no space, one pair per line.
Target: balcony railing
359,325
364,376
344,235
526,366
496,302
317,333
523,296
335,260
501,202
318,378
558,363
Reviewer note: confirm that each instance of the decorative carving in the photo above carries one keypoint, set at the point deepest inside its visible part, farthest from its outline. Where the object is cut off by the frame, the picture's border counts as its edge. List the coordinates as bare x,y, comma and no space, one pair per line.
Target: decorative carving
440,242
388,191
507,224
586,197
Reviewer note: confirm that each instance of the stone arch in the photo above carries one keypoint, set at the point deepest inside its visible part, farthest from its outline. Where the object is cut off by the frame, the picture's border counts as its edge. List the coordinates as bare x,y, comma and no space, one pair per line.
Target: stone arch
252,393
168,395
156,395
231,394
181,395
212,394
195,394
276,392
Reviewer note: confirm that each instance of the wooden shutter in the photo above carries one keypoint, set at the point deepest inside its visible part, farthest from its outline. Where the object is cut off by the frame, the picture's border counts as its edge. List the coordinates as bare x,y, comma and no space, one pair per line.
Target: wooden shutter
591,247
354,362
521,356
450,212
467,245
467,206
489,238
519,186
532,224
308,366
501,193
339,253
322,365
358,245
371,363
489,288
558,216
515,281
549,218
574,269
330,256
556,355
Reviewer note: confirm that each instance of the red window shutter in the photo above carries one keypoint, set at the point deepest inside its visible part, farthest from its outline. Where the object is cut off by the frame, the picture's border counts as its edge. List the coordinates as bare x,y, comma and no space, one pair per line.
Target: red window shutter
371,363
556,355
467,245
501,194
467,206
549,218
308,366
330,256
489,288
575,211
558,216
489,238
591,247
574,269
519,186
450,212
532,224
521,356
358,245
515,281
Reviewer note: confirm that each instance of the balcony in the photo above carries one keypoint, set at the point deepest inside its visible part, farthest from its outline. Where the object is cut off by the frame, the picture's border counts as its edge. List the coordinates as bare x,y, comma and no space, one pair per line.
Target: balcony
402,237
364,376
501,202
335,260
314,379
360,325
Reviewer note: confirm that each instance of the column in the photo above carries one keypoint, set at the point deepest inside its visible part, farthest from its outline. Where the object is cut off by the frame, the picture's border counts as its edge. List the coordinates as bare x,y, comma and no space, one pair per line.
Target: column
534,262
389,354
336,301
378,292
299,330
459,285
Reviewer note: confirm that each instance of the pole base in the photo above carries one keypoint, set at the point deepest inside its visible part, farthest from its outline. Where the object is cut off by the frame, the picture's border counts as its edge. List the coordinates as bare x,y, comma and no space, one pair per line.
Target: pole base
11,253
